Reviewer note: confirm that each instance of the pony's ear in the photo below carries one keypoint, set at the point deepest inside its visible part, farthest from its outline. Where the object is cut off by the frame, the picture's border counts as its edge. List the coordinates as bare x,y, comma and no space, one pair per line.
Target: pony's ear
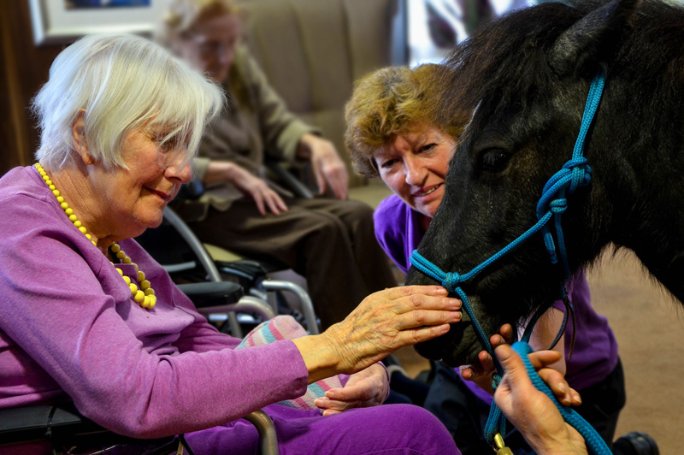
592,40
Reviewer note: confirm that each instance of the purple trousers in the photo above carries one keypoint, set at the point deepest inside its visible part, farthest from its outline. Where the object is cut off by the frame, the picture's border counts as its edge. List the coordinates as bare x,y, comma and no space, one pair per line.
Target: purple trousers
387,430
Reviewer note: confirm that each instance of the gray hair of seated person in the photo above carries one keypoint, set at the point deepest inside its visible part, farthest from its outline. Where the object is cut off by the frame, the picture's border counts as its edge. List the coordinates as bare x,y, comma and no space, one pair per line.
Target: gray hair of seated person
120,83
182,15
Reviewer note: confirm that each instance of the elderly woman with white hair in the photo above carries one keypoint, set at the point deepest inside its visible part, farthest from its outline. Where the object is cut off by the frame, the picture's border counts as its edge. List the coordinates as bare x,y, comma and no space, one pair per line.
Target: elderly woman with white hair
88,316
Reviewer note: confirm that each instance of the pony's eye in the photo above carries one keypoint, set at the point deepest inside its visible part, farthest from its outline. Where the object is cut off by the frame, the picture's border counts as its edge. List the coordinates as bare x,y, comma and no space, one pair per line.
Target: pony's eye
494,160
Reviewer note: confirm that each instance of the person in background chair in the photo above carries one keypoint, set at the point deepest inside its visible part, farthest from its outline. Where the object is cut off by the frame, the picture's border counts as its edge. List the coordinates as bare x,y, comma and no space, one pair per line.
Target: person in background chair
327,240
88,316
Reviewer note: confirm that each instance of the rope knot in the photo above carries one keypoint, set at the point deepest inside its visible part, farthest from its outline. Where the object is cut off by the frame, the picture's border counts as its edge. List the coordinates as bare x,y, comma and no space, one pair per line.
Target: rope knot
558,206
451,280
580,171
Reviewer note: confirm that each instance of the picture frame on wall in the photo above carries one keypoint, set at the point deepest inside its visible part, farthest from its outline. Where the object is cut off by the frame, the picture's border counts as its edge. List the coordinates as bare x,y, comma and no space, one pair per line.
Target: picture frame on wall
62,21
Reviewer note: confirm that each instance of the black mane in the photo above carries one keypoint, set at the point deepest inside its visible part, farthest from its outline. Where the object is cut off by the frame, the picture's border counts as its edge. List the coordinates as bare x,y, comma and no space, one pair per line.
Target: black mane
510,57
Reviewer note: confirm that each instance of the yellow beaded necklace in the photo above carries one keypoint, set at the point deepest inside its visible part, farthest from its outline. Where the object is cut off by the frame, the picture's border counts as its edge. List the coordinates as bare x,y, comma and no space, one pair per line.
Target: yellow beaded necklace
142,292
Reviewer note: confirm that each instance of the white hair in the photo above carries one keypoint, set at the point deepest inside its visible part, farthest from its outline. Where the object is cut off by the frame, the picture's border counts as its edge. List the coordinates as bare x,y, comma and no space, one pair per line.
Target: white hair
120,82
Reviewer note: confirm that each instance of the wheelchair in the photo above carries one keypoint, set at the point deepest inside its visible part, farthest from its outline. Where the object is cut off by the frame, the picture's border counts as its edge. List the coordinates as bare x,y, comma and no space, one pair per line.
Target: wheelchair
177,248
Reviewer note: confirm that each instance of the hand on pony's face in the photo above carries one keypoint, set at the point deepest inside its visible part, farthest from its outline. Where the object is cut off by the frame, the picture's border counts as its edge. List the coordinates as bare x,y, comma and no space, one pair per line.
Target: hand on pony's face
482,372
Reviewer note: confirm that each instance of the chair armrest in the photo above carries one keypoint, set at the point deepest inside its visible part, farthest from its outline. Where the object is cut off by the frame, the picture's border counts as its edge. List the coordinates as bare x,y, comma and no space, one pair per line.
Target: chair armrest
51,423
62,426
249,273
266,430
32,423
212,293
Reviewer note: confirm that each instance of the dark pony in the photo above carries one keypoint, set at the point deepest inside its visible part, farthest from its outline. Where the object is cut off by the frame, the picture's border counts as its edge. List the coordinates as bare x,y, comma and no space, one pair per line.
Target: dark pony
525,79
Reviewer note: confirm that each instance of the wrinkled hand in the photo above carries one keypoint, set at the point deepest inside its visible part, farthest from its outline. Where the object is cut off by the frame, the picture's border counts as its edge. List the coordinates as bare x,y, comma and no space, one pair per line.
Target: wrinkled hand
328,168
255,187
530,410
382,323
368,387
388,320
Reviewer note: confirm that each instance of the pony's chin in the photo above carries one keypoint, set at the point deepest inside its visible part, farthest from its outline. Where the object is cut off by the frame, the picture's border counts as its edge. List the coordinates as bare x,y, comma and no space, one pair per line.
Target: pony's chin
459,346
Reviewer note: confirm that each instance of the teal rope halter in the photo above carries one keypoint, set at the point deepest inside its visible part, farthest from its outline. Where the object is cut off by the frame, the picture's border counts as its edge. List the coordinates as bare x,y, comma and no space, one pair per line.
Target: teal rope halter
574,174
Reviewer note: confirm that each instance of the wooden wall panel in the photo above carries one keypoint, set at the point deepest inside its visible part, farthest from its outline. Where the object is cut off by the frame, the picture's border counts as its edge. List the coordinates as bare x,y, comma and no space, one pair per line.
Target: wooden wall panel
23,69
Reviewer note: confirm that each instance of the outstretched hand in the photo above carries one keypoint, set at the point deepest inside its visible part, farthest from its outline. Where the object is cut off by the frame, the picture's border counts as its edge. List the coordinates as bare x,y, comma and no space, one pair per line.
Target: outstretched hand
481,373
265,198
382,323
368,387
530,410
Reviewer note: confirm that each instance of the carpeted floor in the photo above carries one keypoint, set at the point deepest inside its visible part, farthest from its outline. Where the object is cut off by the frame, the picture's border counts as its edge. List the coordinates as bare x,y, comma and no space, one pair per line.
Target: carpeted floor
648,324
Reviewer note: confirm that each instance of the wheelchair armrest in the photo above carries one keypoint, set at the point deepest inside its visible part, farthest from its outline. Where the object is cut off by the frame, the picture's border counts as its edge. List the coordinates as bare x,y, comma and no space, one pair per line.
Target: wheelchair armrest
249,273
41,422
63,428
212,293
53,423
266,430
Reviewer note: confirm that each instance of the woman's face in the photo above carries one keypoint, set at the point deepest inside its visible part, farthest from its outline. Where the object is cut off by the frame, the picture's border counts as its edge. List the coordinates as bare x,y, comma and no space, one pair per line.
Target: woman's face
414,165
210,45
132,200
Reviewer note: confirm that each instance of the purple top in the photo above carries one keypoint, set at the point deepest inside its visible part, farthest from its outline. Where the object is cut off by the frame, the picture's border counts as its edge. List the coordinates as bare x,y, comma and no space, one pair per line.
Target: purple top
594,354
68,326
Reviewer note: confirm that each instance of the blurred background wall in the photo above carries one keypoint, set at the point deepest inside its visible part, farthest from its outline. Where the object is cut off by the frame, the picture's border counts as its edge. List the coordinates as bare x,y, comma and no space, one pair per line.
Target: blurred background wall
23,69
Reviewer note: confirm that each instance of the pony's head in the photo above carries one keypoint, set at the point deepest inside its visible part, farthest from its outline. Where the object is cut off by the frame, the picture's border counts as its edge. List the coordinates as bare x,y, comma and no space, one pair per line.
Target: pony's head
525,77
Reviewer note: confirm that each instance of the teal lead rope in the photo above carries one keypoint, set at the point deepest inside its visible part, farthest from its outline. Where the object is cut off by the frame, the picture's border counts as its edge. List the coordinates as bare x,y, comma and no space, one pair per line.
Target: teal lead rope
593,440
552,204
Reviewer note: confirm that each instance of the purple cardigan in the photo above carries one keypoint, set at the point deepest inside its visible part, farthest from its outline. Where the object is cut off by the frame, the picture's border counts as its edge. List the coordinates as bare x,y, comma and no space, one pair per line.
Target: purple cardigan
69,327
594,355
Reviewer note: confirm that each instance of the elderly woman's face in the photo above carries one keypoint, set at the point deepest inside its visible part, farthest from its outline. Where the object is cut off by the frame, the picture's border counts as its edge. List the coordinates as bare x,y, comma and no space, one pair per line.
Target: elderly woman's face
414,165
135,198
210,45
